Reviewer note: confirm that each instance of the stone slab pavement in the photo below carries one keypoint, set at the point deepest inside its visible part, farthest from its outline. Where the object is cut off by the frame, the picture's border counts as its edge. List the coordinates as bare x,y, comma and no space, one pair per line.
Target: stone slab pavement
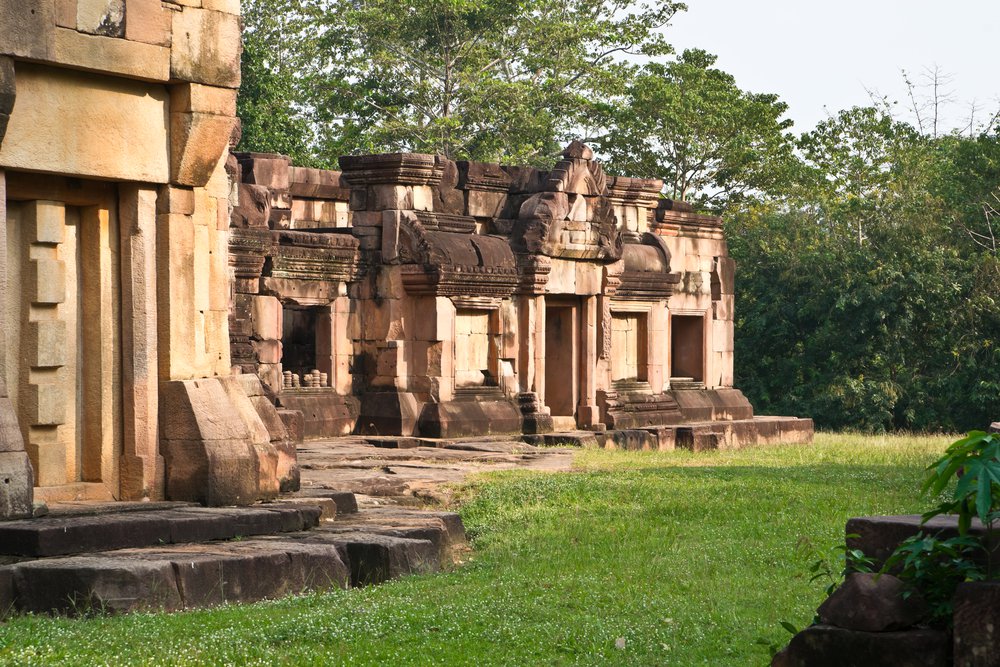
415,471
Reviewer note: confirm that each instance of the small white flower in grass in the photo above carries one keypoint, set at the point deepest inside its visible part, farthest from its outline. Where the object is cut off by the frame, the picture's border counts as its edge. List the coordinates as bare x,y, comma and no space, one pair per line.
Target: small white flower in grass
620,643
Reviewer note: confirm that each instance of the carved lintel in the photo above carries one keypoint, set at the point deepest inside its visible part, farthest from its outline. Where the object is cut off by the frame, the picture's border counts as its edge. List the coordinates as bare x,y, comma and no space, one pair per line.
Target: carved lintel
392,168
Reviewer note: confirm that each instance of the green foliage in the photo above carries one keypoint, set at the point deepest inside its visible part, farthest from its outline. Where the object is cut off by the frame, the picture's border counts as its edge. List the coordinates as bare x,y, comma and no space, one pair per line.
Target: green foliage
481,79
975,462
689,557
934,567
862,299
833,566
269,102
690,124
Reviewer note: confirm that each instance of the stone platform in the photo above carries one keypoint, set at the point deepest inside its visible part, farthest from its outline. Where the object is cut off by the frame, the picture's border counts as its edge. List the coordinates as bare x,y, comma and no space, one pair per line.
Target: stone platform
123,557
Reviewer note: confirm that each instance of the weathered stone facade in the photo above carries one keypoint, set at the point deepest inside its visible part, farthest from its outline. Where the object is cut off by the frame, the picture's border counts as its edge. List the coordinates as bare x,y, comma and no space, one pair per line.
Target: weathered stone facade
413,295
175,317
115,123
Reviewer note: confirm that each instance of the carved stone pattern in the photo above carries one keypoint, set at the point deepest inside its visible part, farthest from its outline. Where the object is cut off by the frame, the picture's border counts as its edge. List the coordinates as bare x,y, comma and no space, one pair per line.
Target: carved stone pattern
534,271
646,286
393,168
487,281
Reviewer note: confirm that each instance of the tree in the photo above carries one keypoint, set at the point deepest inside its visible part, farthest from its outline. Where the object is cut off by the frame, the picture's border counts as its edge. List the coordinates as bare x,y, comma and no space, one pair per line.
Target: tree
861,300
484,79
689,123
270,98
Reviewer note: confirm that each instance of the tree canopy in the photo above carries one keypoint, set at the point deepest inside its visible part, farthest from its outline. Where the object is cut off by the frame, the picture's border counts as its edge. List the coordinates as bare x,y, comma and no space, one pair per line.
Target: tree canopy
867,247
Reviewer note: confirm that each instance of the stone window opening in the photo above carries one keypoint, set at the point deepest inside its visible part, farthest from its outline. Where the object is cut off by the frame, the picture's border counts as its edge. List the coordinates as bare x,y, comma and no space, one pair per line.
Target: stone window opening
301,361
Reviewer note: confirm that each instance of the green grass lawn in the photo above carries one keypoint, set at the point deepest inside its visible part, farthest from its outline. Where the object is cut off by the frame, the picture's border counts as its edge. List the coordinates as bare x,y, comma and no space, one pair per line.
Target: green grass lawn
691,558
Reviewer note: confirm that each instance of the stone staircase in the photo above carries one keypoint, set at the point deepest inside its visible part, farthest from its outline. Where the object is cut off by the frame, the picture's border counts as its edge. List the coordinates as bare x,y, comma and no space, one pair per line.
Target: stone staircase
123,557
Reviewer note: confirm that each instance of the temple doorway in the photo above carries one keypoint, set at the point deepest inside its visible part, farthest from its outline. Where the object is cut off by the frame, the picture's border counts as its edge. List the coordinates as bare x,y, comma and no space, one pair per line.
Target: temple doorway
687,351
562,361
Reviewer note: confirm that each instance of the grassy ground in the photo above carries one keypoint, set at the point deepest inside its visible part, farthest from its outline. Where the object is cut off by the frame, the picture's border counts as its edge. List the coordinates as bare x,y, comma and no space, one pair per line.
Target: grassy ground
688,558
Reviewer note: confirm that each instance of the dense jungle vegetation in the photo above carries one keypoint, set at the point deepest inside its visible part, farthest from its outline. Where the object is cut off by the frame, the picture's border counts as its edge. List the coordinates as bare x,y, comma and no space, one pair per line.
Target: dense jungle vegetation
867,247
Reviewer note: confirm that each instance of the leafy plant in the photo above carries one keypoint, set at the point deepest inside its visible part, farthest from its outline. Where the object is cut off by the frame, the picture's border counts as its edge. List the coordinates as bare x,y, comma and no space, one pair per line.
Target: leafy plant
975,461
934,567
837,564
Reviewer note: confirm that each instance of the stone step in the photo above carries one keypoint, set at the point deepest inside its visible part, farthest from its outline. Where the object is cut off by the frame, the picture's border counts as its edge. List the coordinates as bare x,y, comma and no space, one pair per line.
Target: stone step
62,535
170,578
368,547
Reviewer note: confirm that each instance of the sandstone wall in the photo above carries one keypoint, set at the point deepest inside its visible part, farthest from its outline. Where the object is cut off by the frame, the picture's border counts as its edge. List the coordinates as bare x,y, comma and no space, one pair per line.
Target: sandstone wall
117,115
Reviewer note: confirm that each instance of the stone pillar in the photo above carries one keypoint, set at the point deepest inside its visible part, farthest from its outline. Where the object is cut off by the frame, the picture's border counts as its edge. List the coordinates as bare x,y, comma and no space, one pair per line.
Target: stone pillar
16,493
141,464
587,413
45,344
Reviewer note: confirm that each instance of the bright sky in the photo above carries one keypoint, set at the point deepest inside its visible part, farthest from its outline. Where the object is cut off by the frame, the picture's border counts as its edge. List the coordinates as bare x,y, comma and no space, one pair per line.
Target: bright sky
820,55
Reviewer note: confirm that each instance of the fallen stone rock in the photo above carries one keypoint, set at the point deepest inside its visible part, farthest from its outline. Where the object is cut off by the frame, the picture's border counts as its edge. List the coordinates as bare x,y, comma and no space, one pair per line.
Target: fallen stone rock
873,603
827,646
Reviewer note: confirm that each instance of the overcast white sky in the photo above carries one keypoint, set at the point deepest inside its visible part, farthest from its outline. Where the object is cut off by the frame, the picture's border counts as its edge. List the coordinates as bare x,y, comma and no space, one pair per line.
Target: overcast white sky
818,54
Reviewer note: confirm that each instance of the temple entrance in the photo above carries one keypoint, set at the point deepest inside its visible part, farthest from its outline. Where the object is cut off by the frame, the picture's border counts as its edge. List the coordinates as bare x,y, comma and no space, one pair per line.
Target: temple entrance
62,354
687,351
562,361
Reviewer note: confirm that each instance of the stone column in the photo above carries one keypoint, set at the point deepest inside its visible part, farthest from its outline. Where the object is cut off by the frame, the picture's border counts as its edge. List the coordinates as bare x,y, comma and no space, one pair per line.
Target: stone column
17,494
587,412
45,344
141,463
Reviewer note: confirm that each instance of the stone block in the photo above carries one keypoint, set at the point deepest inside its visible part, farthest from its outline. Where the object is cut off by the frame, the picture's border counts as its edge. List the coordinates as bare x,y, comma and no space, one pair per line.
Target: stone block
977,624
211,472
388,413
101,17
422,198
45,404
48,223
227,6
6,592
198,409
46,343
872,603
385,197
827,646
105,54
148,21
84,584
270,418
16,485
267,351
199,98
375,558
27,27
270,171
206,47
198,142
47,281
66,14
294,424
242,403
484,204
723,336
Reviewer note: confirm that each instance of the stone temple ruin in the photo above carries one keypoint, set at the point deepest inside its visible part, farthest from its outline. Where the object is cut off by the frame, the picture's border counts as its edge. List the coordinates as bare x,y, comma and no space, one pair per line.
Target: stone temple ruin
177,316
413,295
